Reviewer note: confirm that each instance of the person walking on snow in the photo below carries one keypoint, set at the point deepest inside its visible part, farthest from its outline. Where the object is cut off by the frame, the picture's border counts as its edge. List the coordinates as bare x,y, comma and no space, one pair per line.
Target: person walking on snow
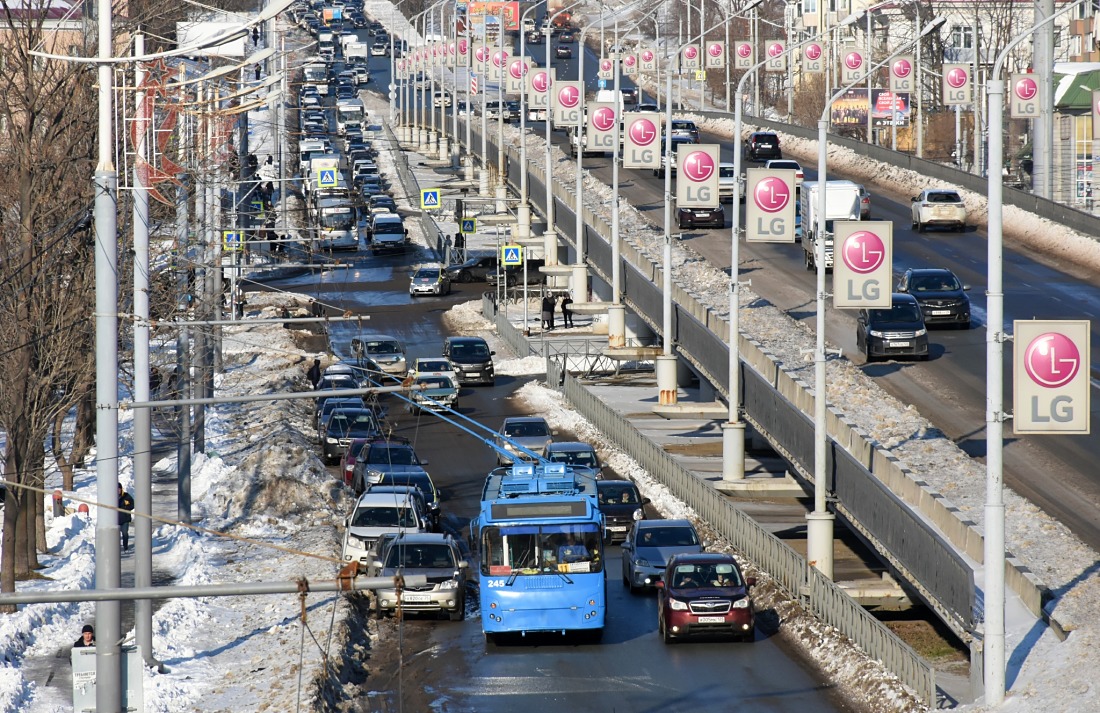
566,312
125,506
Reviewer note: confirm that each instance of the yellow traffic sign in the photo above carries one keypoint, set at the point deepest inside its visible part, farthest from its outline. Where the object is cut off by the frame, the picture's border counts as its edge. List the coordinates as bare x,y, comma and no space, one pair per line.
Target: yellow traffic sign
231,240
429,199
326,177
468,225
700,75
511,255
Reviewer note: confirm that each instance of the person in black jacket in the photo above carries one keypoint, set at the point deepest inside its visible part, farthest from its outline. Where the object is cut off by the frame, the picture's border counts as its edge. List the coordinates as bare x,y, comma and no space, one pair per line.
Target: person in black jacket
314,373
87,638
125,507
566,312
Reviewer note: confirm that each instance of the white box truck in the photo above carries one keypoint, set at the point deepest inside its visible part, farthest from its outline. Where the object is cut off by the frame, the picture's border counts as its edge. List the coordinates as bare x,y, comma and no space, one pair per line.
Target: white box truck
841,203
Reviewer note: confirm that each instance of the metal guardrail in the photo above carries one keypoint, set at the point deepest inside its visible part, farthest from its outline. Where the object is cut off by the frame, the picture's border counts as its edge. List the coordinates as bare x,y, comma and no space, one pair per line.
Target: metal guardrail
789,569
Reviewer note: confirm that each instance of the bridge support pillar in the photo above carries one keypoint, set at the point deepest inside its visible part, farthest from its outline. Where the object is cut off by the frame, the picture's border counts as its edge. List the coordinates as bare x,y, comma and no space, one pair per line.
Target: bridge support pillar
444,148
483,182
667,365
549,245
733,451
523,221
819,541
580,282
616,326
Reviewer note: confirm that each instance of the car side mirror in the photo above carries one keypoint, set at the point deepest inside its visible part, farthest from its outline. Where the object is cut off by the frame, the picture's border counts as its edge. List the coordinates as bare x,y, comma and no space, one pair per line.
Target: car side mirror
750,581
646,501
707,544
659,584
914,199
377,564
966,288
626,545
492,353
423,462
463,564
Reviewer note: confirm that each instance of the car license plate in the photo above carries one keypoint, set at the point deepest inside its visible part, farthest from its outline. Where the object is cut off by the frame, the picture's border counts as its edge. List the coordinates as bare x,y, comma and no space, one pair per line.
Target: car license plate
474,374
939,312
895,345
416,598
711,619
617,528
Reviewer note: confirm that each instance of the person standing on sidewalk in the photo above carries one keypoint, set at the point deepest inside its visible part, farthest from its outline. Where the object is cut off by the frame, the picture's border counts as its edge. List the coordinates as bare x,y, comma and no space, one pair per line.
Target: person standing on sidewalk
547,312
125,507
87,638
566,312
553,305
314,373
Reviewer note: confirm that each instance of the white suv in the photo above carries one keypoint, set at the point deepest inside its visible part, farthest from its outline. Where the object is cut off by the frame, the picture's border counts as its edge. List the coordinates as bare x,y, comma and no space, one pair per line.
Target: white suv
378,514
939,208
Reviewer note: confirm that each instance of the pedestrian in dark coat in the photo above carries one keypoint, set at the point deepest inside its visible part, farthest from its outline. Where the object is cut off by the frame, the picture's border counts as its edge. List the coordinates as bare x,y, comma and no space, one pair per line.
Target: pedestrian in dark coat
566,312
547,312
553,305
314,373
87,638
125,507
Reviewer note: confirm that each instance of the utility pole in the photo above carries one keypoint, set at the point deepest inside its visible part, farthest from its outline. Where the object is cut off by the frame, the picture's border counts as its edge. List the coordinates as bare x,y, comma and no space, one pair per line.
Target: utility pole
1042,130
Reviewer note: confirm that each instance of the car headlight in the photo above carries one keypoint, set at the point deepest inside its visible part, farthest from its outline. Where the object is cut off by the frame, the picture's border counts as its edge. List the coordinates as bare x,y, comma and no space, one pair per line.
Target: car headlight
677,605
332,440
875,333
921,332
449,584
741,604
641,562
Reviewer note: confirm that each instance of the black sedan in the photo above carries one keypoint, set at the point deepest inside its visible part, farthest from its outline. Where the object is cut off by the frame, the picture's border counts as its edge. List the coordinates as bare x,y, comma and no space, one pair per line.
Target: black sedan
942,298
563,52
473,270
701,217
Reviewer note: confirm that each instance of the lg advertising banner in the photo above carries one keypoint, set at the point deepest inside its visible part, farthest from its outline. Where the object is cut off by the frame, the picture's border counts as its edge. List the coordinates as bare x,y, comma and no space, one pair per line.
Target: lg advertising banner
690,58
481,56
498,65
863,264
462,51
956,84
1096,115
516,79
716,55
539,82
1023,97
647,59
630,65
902,72
743,56
777,59
1050,384
853,67
769,205
812,58
606,68
600,127
697,176
642,145
567,103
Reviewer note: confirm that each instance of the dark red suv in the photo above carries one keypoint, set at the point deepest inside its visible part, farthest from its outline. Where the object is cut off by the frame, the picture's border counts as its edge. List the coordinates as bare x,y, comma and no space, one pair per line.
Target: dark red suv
704,594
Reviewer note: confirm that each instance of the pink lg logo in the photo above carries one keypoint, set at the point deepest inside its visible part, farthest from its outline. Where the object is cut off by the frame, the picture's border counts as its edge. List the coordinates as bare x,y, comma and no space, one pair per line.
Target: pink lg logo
775,50
699,166
744,49
853,60
957,77
647,55
463,47
630,60
1026,89
540,81
499,58
642,132
863,252
715,50
813,51
482,54
451,49
1052,360
691,52
603,118
518,69
771,194
569,97
605,65
903,68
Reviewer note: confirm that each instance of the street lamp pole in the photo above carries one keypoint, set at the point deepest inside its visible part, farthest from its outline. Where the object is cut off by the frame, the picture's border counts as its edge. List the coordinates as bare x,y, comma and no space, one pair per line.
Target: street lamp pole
995,337
819,541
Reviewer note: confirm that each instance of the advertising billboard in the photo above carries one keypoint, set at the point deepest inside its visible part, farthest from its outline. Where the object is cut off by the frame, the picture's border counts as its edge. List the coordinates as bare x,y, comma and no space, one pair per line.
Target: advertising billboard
863,264
642,140
697,176
509,11
770,204
851,109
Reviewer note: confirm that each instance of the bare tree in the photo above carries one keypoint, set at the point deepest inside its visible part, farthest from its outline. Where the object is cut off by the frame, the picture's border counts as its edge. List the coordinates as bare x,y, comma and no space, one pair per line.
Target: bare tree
46,152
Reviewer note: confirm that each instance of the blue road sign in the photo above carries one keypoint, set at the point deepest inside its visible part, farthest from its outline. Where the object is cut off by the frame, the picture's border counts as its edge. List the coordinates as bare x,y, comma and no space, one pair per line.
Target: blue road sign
429,198
468,225
231,240
511,255
326,177
603,84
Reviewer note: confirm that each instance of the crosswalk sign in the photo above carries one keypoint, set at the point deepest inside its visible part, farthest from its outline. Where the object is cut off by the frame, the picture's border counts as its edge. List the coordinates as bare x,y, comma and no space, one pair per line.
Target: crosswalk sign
429,199
511,255
326,177
231,240
468,225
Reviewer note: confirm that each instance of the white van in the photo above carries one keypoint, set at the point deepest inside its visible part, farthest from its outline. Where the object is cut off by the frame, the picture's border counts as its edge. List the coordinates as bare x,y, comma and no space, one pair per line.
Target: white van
378,514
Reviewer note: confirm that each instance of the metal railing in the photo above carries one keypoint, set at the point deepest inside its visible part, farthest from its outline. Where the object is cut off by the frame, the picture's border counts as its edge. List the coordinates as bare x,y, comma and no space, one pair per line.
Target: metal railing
818,594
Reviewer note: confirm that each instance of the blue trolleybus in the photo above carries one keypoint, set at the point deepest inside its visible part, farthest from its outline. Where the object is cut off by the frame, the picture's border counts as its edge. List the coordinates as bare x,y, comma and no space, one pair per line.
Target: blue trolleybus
539,535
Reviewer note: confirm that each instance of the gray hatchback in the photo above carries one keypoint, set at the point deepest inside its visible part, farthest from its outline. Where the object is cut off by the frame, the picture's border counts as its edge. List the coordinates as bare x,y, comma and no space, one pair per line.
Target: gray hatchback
650,544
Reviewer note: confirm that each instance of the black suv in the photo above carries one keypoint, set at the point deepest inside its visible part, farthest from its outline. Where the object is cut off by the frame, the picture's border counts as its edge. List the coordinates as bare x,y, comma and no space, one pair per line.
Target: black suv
942,298
762,146
471,358
898,331
476,269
